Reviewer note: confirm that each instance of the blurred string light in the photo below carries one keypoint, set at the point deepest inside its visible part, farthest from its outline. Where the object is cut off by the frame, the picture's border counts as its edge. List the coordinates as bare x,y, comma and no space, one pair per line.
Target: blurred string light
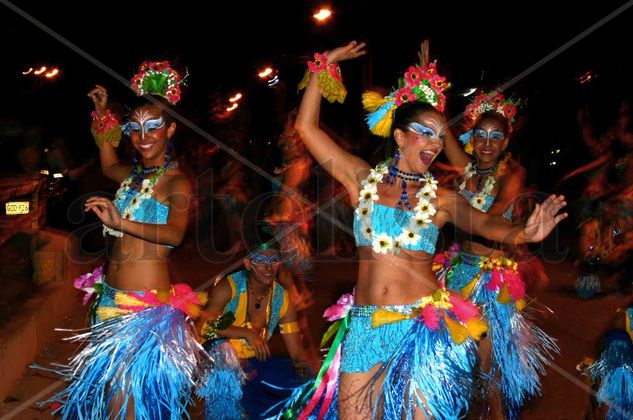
232,107
43,72
273,81
322,15
468,92
52,73
554,153
264,74
586,78
235,97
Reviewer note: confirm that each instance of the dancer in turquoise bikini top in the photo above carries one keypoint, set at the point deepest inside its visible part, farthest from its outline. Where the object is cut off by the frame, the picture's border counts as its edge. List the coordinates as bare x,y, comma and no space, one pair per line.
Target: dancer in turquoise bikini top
395,259
149,214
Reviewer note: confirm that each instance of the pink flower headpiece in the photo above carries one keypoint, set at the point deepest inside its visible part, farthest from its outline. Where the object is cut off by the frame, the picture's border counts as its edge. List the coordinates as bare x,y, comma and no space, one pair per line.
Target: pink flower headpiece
421,84
491,101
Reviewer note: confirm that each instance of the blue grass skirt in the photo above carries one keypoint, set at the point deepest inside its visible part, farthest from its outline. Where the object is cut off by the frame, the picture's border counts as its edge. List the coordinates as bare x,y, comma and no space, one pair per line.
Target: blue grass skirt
235,388
520,349
148,359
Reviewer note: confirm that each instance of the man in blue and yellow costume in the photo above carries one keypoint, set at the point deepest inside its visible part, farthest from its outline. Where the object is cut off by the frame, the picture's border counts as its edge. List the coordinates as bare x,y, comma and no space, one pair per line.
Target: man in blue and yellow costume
243,311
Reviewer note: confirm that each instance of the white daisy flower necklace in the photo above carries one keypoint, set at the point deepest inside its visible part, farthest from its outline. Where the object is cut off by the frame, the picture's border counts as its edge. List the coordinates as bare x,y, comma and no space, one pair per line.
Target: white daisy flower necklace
383,243
145,193
478,200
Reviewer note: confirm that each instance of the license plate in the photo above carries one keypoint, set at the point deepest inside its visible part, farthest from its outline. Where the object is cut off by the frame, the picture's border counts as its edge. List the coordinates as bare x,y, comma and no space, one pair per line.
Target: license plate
17,207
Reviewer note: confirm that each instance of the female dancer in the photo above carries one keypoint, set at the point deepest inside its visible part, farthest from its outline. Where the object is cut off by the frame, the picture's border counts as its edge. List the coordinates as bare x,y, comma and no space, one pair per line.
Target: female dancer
141,355
391,365
515,351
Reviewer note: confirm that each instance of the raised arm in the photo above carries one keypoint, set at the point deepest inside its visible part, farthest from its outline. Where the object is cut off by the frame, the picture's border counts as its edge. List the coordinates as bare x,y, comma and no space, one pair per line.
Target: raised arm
544,218
512,188
110,165
454,151
343,166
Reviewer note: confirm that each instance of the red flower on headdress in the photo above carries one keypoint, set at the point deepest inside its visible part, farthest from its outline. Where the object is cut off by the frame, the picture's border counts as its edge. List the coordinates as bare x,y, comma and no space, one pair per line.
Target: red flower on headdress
319,63
413,76
438,83
430,69
404,95
509,110
497,100
441,102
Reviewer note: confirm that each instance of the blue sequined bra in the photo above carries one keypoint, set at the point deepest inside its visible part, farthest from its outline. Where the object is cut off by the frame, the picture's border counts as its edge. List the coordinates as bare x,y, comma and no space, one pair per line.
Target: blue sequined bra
390,220
488,203
150,210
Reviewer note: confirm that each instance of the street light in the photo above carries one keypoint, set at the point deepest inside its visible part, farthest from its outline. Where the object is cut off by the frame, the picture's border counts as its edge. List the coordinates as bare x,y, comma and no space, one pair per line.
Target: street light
265,73
322,15
52,73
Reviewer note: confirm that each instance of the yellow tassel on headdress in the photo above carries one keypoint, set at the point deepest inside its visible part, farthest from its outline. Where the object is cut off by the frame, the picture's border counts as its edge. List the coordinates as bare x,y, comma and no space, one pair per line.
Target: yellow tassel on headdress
468,148
384,316
468,289
504,295
383,128
458,332
476,328
373,100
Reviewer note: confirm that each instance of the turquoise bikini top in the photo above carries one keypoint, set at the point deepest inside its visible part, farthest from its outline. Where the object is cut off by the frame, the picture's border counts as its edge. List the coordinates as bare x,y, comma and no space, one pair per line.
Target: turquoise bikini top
150,210
390,220
488,203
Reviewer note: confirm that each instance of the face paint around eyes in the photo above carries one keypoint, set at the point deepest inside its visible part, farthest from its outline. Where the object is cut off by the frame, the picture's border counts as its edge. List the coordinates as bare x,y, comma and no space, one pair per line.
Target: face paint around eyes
497,135
421,129
132,126
264,259
154,124
480,134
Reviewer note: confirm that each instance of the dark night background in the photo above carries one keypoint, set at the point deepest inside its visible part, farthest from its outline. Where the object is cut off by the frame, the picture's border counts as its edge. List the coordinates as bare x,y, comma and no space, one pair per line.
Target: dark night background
223,45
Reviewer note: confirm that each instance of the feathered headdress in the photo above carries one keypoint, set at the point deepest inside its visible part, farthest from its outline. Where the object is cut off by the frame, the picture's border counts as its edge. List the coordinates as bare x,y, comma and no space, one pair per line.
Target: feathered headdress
158,78
486,102
418,84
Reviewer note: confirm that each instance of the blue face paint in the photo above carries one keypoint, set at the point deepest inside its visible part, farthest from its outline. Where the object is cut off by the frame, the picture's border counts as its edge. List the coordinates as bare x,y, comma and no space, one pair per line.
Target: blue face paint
265,259
133,127
154,124
482,135
424,131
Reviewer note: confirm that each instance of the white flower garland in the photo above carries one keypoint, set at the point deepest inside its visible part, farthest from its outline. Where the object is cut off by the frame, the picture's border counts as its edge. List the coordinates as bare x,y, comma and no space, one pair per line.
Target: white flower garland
147,189
477,200
382,243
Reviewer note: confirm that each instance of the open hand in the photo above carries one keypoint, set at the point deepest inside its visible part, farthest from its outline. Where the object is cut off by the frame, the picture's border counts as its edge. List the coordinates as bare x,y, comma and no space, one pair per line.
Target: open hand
544,218
346,52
